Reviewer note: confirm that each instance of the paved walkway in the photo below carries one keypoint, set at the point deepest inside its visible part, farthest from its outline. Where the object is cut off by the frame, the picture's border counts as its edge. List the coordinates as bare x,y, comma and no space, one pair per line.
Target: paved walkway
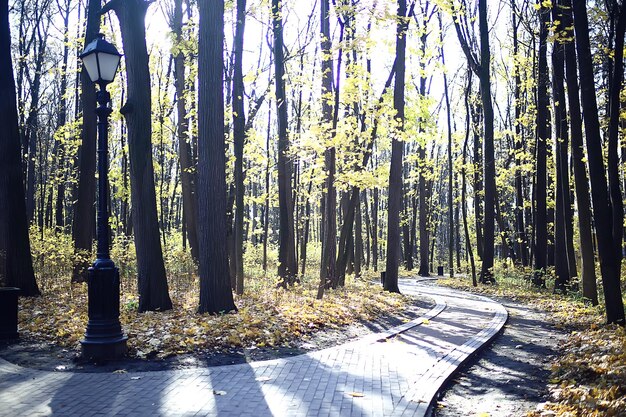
394,373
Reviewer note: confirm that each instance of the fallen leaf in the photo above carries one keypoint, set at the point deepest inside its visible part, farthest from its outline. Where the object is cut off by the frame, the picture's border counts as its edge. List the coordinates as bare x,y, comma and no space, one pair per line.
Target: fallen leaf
356,394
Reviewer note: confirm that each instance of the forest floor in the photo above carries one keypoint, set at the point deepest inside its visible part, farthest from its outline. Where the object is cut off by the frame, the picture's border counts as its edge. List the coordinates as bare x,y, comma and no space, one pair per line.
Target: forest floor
510,377
271,323
556,357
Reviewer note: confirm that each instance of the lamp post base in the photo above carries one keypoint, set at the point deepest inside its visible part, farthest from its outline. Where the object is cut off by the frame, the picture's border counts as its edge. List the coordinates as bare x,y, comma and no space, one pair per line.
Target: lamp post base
104,339
104,350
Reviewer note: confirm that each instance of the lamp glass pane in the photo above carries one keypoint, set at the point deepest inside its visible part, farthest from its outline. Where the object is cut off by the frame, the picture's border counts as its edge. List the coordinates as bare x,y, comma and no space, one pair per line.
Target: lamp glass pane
91,65
108,66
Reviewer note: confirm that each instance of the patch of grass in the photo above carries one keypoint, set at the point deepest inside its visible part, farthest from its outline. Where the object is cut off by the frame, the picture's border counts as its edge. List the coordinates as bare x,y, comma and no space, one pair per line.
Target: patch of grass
589,377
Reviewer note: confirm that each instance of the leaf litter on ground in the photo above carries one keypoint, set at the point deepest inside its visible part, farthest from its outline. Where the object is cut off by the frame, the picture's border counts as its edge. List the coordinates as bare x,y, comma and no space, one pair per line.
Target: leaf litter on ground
267,317
589,377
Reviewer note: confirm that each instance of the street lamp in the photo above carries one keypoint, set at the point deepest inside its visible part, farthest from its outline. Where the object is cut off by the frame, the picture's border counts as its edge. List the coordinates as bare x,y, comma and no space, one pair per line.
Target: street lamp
104,338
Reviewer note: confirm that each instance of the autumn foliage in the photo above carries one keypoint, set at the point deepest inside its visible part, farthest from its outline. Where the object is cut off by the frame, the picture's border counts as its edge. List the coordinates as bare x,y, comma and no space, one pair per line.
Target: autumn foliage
268,316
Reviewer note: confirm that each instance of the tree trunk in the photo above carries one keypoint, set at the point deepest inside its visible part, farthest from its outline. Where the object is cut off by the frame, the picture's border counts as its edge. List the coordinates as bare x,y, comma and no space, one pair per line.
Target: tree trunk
486,273
84,222
328,264
307,227
424,231
358,239
239,136
468,242
565,265
215,292
287,268
61,120
450,169
615,107
367,229
16,268
609,261
478,178
519,146
152,281
541,186
266,211
32,127
581,181
187,169
375,229
395,172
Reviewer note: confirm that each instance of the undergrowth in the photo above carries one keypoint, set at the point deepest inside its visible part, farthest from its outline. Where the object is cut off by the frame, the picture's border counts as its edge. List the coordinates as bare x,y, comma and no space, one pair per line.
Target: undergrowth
268,316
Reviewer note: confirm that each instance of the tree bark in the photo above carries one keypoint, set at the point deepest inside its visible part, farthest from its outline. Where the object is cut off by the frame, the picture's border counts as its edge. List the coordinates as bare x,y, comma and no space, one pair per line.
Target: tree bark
615,107
610,262
395,172
565,264
187,168
84,222
375,199
61,120
152,280
450,170
468,242
16,268
239,136
519,146
215,291
486,273
581,182
328,265
287,268
541,185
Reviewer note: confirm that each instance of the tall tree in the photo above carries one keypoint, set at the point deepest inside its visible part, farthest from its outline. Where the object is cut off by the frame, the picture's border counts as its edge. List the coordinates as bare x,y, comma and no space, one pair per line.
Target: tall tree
187,166
565,263
84,222
423,189
59,146
16,267
397,146
520,228
239,136
215,290
450,170
618,16
481,67
542,123
152,280
581,181
33,128
610,261
287,268
328,270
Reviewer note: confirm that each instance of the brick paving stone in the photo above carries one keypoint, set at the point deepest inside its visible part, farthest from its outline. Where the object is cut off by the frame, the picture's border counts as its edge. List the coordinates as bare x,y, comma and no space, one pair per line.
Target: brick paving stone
398,372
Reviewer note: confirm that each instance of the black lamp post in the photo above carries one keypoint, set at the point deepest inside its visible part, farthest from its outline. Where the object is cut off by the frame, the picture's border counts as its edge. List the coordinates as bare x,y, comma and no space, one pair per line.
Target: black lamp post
104,338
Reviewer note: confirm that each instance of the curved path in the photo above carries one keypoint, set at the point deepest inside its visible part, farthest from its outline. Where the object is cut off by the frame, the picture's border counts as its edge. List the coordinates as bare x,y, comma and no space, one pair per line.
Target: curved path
393,373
